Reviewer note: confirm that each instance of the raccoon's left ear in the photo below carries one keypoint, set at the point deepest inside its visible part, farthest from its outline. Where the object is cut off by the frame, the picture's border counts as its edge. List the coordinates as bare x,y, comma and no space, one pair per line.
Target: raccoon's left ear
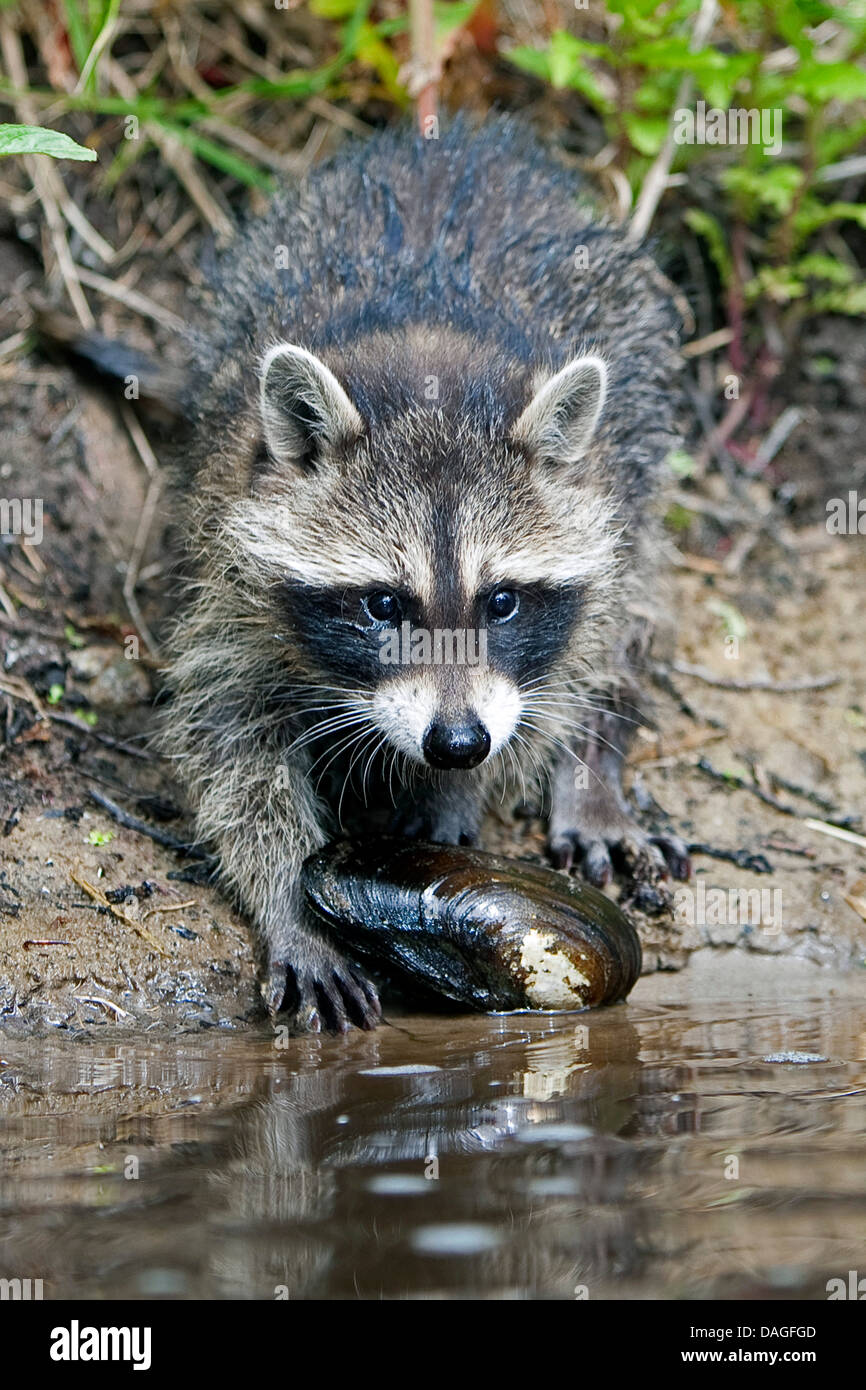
559,423
303,406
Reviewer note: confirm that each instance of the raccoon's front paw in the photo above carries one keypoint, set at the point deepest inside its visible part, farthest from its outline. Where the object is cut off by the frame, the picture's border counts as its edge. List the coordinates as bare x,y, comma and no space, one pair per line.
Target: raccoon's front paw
645,860
325,993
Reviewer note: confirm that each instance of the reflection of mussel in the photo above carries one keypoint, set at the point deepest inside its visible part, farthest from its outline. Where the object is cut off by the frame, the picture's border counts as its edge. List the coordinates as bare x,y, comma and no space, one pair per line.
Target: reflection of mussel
490,932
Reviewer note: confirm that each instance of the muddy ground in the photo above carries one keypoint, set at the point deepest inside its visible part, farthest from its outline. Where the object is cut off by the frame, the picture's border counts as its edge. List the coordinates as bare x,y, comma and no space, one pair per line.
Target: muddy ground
761,592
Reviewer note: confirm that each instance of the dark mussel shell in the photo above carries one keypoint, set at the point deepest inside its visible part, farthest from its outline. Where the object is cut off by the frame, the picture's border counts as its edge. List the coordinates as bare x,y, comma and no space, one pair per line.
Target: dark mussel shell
490,932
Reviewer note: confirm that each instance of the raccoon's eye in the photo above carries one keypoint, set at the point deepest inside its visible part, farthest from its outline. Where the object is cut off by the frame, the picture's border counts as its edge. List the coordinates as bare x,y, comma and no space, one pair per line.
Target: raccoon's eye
383,607
502,605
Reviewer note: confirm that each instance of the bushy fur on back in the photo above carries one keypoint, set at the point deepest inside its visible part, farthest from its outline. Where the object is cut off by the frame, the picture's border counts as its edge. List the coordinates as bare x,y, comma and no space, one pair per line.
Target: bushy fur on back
475,232
437,285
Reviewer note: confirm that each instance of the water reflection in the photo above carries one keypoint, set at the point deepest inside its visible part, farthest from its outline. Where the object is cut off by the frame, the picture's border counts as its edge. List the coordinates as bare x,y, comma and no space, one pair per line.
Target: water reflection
636,1153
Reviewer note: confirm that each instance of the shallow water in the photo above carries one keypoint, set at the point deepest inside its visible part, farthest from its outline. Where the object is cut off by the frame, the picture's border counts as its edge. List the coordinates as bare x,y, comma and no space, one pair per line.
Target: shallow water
645,1151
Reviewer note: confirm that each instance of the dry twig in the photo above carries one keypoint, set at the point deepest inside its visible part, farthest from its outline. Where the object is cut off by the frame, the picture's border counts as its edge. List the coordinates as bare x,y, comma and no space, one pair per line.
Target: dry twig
792,687
99,897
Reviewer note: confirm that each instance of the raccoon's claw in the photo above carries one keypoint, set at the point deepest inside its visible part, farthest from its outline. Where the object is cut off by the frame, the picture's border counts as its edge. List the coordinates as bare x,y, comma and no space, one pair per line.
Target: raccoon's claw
331,999
645,860
676,855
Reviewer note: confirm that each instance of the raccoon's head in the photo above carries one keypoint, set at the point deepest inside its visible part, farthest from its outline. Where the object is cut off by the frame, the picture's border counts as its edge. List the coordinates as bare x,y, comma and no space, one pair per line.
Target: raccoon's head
431,560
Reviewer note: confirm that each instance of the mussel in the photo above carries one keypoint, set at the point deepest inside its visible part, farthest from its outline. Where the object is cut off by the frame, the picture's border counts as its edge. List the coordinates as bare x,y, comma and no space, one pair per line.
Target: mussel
485,931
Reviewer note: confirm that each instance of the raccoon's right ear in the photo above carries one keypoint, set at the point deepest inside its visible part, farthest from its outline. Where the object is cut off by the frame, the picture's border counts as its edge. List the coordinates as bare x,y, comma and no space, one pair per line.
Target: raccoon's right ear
303,406
559,423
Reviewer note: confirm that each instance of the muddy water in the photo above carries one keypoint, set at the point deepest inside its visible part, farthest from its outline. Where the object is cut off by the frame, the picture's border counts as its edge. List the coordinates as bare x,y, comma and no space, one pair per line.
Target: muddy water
648,1151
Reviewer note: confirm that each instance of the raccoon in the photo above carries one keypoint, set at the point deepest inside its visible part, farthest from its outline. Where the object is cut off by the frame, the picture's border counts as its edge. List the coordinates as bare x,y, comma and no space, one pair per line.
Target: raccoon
432,394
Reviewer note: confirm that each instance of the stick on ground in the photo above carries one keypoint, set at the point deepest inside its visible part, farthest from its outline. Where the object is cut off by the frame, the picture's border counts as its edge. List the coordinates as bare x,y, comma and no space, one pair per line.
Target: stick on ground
130,822
102,900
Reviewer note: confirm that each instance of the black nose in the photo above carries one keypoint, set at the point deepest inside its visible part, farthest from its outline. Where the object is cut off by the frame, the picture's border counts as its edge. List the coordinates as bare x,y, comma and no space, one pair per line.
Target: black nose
456,745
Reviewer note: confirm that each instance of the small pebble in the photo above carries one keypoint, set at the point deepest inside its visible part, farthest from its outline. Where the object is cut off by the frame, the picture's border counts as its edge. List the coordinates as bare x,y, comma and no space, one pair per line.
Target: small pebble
798,1057
411,1069
553,1134
456,1239
399,1184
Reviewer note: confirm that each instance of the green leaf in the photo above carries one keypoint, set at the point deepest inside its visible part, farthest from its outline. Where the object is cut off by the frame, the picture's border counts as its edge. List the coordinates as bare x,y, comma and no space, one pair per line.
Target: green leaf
814,214
841,301
678,518
566,60
718,86
563,65
535,61
655,95
100,837
830,81
448,17
101,41
834,143
705,225
774,186
37,139
333,9
641,18
681,463
734,623
674,53
378,56
221,158
79,32
295,86
817,266
568,68
55,694
792,19
647,133
781,284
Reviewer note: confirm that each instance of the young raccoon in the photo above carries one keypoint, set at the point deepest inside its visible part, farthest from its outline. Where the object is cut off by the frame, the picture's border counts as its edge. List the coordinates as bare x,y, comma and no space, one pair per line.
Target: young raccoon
433,396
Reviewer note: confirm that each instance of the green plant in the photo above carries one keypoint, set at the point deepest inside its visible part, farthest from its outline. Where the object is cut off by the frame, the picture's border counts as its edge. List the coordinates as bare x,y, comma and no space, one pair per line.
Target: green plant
36,139
373,45
802,59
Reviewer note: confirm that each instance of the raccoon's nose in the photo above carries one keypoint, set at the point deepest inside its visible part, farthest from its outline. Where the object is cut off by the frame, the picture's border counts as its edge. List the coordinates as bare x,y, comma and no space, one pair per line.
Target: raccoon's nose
456,745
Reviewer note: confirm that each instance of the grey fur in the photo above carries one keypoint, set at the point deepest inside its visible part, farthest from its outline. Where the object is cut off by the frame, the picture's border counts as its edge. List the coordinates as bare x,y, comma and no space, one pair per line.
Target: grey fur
323,456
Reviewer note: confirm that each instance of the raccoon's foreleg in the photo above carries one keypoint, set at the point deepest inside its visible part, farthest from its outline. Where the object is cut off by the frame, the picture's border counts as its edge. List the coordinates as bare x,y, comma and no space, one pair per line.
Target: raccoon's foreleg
590,816
261,814
448,810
